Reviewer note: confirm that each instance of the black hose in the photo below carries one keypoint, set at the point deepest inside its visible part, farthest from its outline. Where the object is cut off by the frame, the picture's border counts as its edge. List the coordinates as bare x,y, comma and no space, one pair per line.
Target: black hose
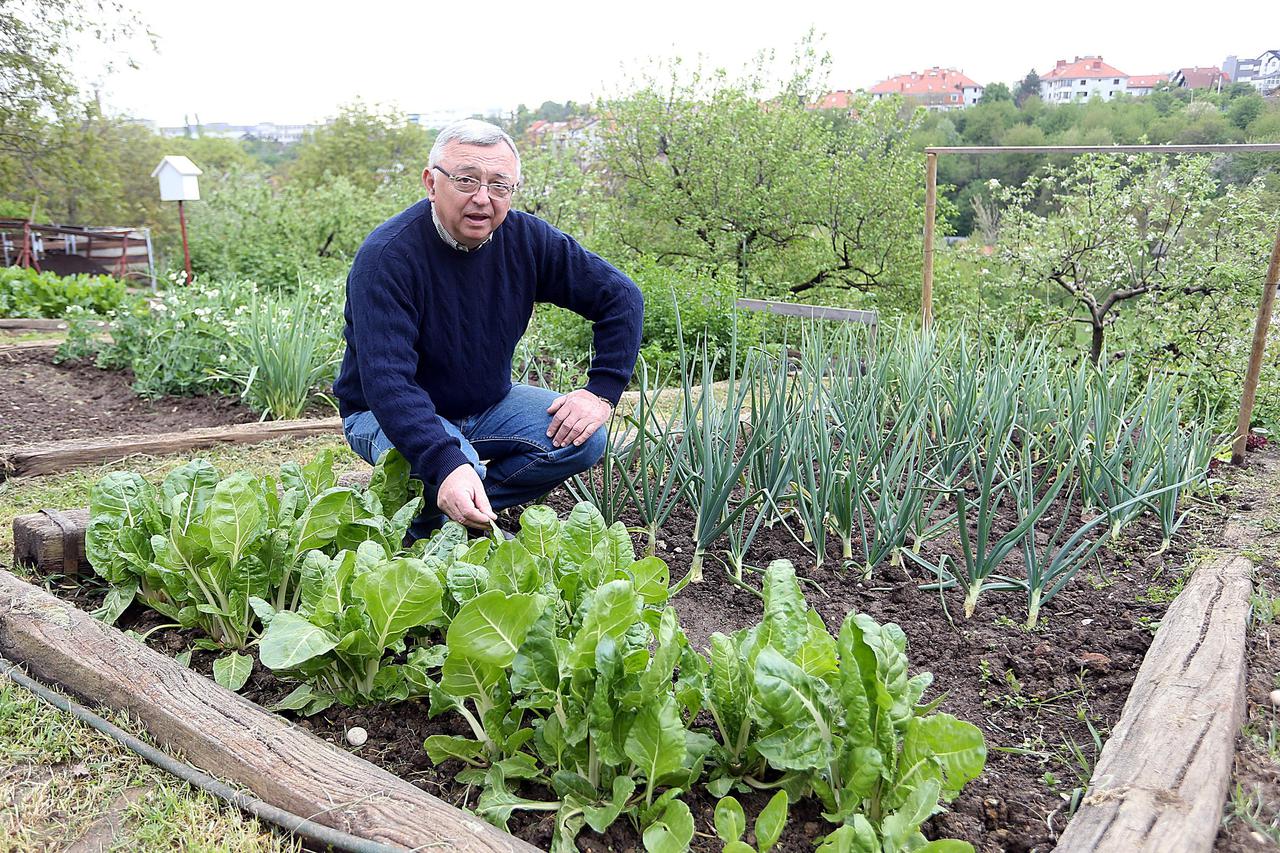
287,821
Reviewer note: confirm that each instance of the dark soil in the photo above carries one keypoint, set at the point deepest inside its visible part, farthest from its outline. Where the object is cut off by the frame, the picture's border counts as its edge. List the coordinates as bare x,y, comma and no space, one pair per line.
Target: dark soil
1045,699
42,401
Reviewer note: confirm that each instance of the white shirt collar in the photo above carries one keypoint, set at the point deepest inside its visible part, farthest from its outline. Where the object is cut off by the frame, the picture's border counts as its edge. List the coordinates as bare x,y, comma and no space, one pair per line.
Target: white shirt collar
448,238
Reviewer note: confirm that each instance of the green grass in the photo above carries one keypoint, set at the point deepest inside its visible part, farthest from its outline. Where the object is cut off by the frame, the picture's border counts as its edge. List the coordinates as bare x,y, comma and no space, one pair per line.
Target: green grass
61,779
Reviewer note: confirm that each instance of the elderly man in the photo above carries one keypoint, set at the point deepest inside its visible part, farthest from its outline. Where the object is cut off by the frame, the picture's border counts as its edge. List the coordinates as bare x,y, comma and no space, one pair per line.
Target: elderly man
437,298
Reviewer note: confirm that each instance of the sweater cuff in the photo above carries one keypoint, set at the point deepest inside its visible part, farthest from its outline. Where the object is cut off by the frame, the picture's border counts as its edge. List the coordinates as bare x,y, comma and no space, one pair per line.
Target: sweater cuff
439,465
607,387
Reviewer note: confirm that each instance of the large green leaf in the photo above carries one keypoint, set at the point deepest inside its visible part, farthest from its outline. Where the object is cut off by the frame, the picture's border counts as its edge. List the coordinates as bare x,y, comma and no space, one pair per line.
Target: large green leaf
512,568
319,523
583,530
730,819
798,720
615,607
942,748
771,821
857,836
126,497
390,482
652,580
232,670
290,640
398,595
727,687
491,627
236,516
672,832
195,480
463,677
656,742
540,531
785,622
899,829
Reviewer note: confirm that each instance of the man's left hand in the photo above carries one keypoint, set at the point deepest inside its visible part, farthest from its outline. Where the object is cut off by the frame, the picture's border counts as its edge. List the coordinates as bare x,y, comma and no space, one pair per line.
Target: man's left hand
576,416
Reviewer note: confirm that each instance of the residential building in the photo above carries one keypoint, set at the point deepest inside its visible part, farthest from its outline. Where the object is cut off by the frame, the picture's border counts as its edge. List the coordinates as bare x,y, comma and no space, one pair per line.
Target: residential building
1263,73
1081,79
1143,84
935,88
1200,78
840,99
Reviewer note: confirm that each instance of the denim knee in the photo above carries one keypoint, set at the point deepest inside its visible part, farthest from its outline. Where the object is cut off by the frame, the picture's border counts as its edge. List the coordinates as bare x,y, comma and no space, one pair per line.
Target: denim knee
592,450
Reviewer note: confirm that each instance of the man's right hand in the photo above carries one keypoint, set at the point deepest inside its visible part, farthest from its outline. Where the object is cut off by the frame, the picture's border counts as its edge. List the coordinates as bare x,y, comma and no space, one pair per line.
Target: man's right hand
462,499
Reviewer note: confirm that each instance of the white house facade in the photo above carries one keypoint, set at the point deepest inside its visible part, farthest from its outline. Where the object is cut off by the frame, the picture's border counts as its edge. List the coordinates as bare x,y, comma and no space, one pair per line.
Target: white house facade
1082,79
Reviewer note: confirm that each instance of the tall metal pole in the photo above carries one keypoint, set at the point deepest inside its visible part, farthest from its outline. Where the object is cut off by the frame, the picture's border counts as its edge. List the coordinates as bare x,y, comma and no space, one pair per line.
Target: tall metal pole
186,250
1255,355
930,212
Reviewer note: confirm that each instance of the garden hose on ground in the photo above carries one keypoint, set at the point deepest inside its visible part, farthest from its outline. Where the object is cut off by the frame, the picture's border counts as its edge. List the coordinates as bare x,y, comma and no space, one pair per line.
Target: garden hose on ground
287,821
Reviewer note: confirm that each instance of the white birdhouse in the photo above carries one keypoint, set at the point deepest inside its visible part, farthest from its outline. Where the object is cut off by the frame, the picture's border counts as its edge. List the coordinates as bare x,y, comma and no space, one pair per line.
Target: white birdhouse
178,179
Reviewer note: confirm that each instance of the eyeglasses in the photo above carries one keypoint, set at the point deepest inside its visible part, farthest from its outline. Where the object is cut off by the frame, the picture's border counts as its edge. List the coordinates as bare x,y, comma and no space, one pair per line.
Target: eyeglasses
468,185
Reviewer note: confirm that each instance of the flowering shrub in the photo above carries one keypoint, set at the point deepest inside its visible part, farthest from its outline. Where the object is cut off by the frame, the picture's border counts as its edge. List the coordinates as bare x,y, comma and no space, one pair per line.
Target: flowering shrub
231,338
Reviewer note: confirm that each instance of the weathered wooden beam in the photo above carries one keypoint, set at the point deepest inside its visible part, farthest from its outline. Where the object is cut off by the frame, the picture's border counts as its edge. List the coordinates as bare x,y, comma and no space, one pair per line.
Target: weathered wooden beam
227,735
53,540
40,345
1162,778
53,456
810,312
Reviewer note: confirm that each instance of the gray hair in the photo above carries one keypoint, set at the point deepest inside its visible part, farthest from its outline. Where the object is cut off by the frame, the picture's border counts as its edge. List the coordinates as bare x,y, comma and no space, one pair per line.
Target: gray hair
471,131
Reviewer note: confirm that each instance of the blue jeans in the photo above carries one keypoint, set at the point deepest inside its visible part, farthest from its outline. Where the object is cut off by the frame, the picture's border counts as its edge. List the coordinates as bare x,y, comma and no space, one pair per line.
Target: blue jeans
511,435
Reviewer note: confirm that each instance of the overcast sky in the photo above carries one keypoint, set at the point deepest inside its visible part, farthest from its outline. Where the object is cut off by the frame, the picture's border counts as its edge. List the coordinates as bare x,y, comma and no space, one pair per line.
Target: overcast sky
244,62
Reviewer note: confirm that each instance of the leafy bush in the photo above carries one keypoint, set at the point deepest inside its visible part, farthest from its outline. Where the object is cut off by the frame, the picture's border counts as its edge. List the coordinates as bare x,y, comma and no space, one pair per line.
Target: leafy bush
27,293
276,350
247,228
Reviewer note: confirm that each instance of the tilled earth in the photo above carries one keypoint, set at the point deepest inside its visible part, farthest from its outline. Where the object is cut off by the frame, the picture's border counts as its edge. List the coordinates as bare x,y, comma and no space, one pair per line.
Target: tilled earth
43,401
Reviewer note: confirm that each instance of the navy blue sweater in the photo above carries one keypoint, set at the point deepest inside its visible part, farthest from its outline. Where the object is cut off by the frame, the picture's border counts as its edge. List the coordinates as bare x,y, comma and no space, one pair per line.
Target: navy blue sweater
431,330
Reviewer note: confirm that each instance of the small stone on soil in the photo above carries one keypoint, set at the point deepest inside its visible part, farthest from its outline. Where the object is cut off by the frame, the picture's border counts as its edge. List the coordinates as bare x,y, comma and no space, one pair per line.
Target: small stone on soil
357,736
1095,662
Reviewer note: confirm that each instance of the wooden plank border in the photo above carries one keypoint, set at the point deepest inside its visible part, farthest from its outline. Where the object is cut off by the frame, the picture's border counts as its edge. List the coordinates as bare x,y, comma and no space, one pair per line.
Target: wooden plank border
54,456
226,734
810,312
1162,779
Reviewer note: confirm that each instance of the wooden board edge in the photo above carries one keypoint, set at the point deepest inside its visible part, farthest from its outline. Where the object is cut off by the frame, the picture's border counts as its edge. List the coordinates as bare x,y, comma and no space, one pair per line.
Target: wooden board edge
1128,807
56,456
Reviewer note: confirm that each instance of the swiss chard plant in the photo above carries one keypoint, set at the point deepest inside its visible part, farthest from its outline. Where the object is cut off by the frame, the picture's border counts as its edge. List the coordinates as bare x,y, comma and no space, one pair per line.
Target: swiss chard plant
838,717
202,547
561,658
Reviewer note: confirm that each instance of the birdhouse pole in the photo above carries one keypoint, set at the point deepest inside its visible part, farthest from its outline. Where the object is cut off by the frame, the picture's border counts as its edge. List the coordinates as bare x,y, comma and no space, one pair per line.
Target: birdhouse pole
186,249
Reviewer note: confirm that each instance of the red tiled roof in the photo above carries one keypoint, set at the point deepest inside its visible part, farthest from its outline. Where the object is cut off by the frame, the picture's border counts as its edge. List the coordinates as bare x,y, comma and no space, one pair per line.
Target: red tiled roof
841,99
931,81
1203,78
1084,67
1147,81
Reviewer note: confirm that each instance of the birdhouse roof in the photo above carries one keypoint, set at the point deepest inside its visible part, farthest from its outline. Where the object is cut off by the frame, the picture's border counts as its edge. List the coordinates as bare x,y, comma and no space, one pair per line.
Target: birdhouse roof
182,164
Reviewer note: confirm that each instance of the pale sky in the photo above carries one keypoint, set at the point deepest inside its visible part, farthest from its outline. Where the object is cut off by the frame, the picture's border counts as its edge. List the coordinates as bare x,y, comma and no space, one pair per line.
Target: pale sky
295,62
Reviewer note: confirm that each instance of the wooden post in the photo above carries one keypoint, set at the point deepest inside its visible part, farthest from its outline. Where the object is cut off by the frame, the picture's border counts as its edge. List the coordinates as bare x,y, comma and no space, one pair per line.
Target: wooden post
186,250
930,212
1255,355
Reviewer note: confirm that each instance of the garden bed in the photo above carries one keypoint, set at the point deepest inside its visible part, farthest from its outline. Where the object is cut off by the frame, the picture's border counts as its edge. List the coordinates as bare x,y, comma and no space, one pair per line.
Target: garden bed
1044,699
49,402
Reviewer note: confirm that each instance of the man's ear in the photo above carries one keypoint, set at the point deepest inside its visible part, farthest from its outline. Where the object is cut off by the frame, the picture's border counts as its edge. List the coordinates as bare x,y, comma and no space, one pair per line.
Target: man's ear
429,181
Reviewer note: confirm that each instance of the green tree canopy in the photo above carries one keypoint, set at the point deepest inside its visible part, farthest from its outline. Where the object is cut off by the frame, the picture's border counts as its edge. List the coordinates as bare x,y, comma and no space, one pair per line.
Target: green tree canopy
369,146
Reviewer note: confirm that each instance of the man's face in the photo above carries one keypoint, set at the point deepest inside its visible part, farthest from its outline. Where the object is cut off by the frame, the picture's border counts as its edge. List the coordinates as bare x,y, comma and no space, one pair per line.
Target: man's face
471,218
